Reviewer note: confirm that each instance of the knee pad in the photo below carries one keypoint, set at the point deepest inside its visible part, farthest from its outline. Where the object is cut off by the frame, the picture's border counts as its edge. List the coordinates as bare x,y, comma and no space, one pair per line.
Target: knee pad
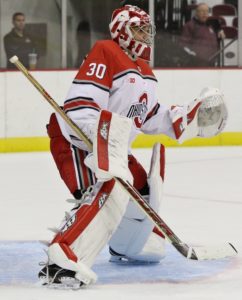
135,227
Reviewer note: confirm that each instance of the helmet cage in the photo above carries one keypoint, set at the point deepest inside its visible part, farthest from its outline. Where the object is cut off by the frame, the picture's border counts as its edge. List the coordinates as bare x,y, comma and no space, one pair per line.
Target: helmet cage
143,33
133,30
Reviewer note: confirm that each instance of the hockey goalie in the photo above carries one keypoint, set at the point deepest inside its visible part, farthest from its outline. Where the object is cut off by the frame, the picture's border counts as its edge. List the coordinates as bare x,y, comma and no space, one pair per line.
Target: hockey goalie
112,99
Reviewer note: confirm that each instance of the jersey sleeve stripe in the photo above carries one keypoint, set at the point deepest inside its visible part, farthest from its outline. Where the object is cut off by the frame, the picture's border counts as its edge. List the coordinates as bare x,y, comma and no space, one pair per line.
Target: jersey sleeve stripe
80,104
81,107
98,85
78,98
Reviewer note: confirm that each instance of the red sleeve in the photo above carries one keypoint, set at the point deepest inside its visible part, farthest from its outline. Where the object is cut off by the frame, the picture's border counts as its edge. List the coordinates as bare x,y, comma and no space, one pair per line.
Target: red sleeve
97,69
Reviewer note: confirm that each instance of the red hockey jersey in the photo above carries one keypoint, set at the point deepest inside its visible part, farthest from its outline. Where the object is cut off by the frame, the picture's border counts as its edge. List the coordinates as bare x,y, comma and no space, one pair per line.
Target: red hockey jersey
109,79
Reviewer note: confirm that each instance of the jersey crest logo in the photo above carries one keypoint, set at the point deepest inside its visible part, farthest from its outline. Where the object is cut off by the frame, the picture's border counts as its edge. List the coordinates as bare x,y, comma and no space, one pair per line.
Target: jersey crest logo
68,224
104,130
102,199
138,111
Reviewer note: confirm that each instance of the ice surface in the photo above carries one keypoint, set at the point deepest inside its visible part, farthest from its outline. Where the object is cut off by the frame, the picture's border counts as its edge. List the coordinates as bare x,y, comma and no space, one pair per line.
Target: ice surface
174,268
202,204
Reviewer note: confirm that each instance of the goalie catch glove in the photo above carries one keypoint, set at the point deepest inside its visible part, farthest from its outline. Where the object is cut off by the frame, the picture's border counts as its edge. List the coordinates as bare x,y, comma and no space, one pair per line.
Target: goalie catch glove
213,113
205,116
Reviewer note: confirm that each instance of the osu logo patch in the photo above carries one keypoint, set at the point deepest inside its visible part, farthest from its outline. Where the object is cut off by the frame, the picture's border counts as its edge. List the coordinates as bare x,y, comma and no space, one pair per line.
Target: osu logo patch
139,110
102,199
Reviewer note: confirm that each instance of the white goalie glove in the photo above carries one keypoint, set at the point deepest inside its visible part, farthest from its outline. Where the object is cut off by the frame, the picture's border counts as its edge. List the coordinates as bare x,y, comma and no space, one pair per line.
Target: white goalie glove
205,116
213,113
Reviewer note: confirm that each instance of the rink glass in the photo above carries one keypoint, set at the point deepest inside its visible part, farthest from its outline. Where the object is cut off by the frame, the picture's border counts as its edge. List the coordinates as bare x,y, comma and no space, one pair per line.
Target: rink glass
65,30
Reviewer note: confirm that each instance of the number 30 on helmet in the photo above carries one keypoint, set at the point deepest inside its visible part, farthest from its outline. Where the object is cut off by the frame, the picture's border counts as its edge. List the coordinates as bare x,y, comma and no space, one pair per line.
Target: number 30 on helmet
132,28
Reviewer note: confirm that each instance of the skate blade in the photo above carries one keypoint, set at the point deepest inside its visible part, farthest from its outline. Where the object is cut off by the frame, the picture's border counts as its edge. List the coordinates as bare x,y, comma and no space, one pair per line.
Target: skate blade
67,283
128,261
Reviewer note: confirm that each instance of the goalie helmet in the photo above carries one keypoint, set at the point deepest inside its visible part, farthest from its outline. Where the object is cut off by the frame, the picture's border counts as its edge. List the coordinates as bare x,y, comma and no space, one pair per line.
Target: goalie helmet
132,28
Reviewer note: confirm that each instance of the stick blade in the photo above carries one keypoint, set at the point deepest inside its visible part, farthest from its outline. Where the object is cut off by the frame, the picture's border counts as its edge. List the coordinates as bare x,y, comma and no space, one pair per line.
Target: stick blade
213,252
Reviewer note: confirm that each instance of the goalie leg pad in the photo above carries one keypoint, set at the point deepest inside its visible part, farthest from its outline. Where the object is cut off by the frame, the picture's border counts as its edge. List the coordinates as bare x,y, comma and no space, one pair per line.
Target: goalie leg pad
134,236
88,229
63,256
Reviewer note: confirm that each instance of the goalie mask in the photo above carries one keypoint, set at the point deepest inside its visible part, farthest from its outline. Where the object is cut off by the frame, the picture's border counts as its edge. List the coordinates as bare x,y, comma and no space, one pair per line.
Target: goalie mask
132,28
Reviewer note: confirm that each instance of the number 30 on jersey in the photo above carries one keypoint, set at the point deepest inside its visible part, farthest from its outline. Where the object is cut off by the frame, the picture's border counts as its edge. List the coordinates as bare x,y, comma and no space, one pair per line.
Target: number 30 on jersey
97,70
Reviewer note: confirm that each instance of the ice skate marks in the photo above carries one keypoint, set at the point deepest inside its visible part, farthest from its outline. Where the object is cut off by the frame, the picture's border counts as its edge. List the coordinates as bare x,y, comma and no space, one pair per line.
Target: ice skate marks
19,261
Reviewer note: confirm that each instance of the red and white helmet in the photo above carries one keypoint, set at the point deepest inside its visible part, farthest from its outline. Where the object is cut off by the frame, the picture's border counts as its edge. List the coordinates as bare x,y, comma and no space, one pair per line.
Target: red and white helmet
132,28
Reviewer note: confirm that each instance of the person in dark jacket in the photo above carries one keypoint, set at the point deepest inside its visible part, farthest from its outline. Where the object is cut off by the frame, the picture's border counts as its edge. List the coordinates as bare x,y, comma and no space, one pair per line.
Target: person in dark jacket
18,41
199,39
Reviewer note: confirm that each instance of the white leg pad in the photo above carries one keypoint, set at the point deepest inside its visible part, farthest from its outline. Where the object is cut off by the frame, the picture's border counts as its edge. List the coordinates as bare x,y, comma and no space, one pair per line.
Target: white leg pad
97,234
79,255
135,230
153,250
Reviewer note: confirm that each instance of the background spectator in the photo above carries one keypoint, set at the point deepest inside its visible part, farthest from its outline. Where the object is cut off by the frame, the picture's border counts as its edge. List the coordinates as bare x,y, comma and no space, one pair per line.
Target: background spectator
199,39
18,42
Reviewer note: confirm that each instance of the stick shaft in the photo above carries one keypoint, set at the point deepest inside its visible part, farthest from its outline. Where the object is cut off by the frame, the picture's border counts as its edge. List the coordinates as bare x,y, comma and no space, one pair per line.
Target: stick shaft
52,102
132,192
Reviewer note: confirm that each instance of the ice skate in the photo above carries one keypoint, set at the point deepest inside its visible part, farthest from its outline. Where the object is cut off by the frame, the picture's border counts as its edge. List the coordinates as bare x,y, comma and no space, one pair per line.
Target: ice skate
56,277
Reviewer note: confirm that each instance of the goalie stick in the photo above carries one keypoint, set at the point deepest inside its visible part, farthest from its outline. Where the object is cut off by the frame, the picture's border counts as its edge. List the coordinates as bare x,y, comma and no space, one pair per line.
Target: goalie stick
190,252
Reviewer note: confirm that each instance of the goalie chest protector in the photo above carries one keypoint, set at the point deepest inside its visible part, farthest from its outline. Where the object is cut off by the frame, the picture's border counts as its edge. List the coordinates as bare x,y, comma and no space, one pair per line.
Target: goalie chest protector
127,86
